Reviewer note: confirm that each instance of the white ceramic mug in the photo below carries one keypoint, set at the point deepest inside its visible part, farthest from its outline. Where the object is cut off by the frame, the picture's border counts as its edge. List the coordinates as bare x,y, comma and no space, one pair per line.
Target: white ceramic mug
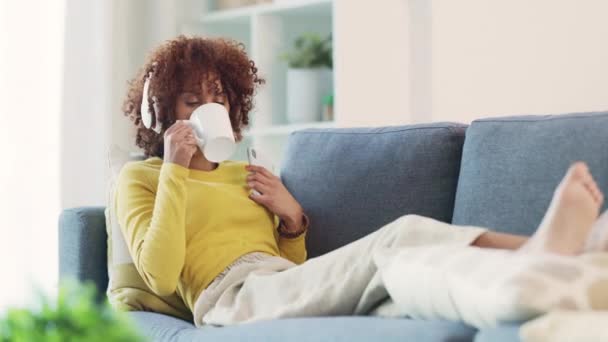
214,136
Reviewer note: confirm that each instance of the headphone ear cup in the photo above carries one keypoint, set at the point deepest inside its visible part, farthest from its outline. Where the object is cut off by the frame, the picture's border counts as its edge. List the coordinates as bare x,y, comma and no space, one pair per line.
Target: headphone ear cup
157,128
157,124
146,116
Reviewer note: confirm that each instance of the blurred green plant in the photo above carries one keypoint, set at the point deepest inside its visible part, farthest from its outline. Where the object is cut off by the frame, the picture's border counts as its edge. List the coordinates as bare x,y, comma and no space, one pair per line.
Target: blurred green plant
74,315
310,51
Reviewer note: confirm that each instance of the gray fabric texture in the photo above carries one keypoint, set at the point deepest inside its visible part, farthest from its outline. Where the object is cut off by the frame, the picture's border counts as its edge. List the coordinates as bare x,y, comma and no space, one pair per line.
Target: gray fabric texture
507,333
352,181
337,328
83,246
511,166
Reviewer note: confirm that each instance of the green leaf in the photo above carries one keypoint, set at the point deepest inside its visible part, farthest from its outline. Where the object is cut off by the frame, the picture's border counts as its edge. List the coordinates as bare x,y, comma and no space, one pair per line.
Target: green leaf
310,51
73,315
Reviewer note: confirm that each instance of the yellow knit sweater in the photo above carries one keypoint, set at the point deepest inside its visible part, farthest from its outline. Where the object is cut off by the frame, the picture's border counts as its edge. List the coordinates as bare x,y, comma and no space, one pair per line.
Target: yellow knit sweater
184,226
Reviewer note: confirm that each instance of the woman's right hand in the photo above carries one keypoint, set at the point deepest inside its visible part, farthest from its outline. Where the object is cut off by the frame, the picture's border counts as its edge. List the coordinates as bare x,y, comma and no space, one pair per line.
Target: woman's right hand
180,143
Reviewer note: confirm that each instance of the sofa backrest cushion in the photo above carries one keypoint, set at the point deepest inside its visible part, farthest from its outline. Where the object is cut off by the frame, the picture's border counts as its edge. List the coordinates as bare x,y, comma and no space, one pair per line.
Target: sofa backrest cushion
511,166
352,181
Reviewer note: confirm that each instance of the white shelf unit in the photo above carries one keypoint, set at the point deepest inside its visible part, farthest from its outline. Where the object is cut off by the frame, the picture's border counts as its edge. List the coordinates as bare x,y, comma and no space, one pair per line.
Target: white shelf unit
268,30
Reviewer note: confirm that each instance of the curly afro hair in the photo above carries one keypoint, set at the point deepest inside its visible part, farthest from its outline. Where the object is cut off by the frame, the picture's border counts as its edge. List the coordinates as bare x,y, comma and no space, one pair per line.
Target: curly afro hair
180,63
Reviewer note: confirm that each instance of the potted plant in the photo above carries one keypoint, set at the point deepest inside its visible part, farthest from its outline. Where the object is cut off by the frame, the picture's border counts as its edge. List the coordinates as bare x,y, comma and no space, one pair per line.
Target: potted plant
74,315
309,77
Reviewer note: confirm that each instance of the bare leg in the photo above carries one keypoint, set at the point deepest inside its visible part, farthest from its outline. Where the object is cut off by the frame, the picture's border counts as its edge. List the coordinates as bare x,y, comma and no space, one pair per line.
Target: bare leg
500,240
567,222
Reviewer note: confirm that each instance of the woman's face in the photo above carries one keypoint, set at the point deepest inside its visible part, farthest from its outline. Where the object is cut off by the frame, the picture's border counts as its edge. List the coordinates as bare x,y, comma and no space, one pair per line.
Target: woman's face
198,95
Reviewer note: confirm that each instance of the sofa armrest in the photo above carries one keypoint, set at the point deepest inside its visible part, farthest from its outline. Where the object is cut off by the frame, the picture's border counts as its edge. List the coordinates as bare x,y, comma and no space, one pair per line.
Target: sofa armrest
83,246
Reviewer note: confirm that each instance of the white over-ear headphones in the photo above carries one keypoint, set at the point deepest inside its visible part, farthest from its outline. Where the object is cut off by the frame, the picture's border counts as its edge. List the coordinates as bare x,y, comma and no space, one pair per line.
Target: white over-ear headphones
146,115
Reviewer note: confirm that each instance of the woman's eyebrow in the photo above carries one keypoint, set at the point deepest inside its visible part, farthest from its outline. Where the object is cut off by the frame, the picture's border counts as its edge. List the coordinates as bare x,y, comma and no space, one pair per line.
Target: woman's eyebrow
189,92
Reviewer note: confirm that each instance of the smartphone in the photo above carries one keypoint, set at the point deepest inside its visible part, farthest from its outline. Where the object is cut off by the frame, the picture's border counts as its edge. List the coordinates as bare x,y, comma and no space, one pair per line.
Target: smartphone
256,158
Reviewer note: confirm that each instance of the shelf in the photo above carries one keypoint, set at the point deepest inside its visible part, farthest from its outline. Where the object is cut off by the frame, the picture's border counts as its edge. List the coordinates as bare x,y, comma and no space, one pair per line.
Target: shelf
269,29
278,130
287,8
236,15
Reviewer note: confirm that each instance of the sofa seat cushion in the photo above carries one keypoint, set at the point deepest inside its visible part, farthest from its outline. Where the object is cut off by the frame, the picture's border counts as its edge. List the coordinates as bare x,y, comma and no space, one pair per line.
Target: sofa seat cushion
504,333
336,328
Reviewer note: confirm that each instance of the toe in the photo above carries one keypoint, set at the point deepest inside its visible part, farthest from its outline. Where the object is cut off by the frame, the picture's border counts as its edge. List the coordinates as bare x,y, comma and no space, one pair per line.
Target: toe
581,165
579,170
592,185
584,175
597,195
595,192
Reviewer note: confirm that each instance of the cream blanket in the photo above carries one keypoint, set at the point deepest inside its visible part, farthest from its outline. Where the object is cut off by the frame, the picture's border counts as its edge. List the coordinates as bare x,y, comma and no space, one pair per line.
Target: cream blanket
485,287
415,267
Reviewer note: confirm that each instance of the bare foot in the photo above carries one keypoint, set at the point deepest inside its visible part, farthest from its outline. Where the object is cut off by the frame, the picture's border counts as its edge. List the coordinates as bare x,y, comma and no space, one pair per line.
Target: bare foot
571,214
598,237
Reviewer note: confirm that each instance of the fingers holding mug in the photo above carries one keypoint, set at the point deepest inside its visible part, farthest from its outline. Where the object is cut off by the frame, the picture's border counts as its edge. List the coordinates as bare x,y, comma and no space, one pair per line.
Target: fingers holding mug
190,139
175,129
180,143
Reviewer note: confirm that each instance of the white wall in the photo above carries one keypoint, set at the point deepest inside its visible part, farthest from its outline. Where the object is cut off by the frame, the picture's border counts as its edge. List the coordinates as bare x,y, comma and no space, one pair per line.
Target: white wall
496,57
409,61
85,121
31,57
371,45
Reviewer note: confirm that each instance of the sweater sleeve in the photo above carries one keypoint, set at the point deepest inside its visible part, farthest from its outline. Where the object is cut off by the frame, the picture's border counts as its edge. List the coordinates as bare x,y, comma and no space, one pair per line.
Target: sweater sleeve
153,223
293,249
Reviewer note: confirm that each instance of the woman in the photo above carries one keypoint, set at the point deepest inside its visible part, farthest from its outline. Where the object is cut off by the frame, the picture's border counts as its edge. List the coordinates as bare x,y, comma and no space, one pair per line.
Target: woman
193,226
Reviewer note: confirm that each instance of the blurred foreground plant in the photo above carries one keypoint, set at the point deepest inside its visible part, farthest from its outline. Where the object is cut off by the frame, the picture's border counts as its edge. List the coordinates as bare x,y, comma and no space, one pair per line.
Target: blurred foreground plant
74,315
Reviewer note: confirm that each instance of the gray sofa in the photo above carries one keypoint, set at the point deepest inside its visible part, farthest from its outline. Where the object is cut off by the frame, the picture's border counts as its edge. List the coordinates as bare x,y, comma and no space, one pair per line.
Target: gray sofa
498,173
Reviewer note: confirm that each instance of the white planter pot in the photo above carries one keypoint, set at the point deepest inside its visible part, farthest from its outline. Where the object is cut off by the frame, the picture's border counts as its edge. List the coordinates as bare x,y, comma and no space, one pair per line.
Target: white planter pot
305,91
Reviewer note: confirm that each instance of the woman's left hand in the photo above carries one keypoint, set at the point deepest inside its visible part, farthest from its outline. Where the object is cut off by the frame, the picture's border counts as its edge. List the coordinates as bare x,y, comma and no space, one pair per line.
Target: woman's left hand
274,196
